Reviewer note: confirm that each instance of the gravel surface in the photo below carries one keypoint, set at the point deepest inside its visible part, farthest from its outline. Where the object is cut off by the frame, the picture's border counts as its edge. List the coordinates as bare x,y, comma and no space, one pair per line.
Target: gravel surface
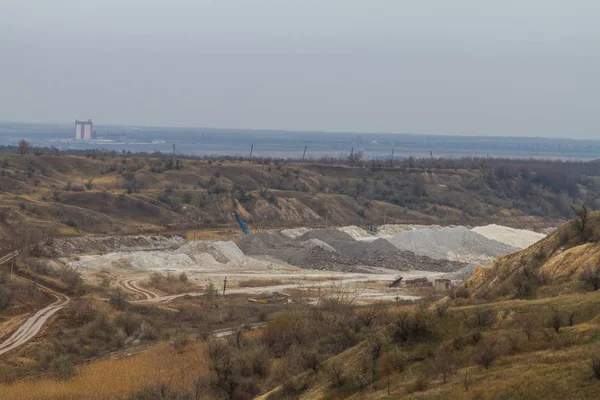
519,238
456,243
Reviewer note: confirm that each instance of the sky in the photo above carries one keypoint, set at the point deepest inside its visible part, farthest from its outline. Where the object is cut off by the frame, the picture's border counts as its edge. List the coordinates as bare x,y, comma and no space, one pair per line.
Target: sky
463,67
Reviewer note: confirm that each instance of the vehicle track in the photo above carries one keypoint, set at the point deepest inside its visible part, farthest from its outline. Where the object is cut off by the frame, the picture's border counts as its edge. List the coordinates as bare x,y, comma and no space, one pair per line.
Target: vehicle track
35,323
132,286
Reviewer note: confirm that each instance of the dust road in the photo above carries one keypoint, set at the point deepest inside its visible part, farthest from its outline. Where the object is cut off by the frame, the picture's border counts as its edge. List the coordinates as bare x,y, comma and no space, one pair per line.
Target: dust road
131,285
33,324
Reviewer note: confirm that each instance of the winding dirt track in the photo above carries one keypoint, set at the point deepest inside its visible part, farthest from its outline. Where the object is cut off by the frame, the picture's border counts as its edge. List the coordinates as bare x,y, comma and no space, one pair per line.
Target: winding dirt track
33,324
132,286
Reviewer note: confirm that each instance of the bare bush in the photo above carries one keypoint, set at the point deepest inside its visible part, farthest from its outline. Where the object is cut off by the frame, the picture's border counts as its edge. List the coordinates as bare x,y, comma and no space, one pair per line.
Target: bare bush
487,352
555,319
336,373
413,326
595,365
444,363
591,278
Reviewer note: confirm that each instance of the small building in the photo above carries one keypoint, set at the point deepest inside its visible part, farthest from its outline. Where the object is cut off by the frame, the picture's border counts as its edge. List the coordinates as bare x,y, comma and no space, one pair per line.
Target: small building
442,284
84,129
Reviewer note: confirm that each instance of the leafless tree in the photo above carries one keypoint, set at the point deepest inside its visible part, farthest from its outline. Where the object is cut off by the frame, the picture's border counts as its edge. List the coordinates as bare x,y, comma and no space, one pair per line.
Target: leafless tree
555,319
513,339
529,326
390,363
336,373
571,317
444,363
487,352
581,221
467,381
595,364
23,147
591,277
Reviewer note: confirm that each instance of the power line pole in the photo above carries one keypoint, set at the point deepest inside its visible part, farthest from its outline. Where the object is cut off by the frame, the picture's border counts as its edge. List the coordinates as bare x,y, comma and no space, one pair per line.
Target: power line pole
222,298
304,154
251,149
12,264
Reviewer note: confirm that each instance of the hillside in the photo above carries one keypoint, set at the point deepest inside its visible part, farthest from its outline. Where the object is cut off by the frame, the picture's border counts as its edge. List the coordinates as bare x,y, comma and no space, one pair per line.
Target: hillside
558,262
110,193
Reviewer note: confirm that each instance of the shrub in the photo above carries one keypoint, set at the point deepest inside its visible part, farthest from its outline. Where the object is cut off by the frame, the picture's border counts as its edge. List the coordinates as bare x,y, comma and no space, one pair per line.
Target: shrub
486,353
595,365
413,326
117,299
62,368
591,278
159,392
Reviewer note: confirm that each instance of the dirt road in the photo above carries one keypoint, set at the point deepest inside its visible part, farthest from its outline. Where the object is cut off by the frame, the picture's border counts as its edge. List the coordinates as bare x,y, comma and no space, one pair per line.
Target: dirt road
131,285
355,283
33,324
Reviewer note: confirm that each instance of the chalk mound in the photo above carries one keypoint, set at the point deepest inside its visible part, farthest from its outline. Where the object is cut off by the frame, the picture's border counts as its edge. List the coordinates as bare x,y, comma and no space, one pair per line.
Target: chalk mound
356,232
519,238
222,252
294,233
450,243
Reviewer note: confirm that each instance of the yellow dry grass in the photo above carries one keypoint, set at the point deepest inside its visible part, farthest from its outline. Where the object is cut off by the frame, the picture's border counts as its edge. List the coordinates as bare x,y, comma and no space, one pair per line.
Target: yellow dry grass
118,378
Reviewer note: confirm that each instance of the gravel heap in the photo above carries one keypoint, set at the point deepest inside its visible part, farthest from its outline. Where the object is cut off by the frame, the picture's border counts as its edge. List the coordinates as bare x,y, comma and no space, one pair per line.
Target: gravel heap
311,253
519,238
450,243
222,252
95,245
326,235
294,233
394,229
330,249
356,232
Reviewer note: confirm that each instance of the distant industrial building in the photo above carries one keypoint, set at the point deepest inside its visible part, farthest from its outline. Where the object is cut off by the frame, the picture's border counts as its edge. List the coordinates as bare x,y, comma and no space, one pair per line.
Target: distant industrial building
84,129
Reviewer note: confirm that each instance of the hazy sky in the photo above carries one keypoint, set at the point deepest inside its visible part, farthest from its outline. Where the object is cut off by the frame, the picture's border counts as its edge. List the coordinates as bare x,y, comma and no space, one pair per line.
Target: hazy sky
476,67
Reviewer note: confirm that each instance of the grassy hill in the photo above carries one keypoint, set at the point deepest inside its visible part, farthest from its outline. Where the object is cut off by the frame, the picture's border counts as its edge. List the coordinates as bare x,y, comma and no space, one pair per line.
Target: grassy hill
109,193
564,261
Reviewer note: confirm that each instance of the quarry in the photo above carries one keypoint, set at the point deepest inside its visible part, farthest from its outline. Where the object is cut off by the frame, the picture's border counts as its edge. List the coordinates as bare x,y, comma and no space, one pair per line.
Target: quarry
349,257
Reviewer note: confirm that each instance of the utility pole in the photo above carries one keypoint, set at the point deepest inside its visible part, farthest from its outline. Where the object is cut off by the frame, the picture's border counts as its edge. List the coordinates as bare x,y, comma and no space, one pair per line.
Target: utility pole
304,154
173,148
251,149
12,265
392,159
222,297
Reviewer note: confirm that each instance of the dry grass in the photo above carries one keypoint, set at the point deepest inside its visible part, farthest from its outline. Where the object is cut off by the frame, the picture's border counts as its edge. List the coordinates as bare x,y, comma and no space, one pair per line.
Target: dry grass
118,378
